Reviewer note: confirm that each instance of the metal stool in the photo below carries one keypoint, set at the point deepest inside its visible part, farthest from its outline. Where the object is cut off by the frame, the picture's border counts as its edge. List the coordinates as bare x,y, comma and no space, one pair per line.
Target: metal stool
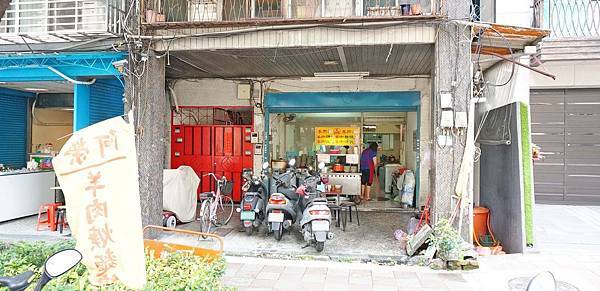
336,209
61,217
348,206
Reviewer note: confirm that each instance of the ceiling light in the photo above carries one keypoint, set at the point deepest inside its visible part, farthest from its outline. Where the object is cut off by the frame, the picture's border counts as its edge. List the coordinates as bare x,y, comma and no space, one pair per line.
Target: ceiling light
330,63
341,74
36,89
336,76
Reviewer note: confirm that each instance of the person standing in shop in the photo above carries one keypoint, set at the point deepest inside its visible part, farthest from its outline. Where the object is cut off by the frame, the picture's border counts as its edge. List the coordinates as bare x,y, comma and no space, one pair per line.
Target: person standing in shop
368,166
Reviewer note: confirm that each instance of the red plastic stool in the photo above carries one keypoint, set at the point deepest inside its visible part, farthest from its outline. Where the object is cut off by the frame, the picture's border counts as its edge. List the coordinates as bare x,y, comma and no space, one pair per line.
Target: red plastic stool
50,220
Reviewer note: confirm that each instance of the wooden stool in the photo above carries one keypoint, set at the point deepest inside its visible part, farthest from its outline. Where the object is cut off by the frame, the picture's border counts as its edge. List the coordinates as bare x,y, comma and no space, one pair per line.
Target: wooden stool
61,218
50,220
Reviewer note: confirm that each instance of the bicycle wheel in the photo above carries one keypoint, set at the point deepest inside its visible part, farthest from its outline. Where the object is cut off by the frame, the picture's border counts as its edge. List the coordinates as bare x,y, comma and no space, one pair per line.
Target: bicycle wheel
224,210
205,217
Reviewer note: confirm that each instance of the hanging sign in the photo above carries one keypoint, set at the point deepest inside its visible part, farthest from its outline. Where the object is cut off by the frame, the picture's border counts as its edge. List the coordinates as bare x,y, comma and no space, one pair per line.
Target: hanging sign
337,136
98,173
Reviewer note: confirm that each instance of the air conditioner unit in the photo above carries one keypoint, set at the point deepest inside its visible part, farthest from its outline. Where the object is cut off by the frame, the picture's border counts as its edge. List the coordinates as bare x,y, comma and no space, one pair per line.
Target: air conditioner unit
93,15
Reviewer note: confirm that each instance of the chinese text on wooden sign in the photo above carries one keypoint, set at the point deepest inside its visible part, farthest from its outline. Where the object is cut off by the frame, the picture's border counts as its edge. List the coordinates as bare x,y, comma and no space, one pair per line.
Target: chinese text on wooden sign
337,136
97,171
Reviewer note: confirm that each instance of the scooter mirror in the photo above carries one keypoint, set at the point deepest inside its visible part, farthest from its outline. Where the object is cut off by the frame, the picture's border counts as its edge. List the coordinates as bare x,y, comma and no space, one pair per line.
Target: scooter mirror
292,162
265,165
542,282
62,262
321,165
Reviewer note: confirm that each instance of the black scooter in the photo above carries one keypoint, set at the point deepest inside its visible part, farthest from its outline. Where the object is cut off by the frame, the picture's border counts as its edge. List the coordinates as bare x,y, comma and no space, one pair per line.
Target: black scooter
55,266
252,208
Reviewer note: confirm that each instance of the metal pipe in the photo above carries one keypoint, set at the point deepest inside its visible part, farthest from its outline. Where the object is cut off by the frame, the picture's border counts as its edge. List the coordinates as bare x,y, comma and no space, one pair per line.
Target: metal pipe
495,142
174,98
76,82
521,64
266,28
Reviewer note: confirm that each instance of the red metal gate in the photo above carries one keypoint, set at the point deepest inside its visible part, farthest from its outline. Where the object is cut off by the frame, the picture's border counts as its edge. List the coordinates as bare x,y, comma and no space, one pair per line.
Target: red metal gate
221,149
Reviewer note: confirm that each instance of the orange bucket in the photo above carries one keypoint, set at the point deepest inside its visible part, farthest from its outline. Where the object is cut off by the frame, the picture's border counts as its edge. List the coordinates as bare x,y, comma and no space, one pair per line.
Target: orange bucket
480,219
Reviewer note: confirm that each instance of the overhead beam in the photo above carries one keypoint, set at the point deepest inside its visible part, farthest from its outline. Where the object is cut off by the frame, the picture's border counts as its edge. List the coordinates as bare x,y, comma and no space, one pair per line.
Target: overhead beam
342,56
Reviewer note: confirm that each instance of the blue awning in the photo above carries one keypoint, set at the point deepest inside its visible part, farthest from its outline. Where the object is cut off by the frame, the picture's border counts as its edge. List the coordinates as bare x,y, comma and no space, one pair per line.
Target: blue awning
343,101
49,67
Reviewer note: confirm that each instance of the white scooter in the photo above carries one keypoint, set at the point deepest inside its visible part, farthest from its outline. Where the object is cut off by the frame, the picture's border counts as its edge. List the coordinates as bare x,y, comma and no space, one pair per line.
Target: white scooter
316,215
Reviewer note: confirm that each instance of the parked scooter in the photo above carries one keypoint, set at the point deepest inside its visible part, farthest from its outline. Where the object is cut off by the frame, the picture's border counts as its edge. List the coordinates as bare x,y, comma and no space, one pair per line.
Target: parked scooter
316,216
282,208
55,266
253,206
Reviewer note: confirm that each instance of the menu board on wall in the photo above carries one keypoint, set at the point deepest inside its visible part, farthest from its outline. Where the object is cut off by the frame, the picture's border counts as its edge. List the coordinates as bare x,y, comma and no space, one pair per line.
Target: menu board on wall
337,136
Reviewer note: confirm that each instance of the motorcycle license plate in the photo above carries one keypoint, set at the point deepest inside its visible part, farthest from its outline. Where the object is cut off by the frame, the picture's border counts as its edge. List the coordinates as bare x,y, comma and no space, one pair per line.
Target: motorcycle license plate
320,225
247,215
275,217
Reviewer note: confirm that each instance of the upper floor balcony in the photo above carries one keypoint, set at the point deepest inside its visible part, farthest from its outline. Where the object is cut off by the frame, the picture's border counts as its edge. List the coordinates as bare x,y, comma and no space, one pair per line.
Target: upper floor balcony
44,21
568,18
211,13
574,29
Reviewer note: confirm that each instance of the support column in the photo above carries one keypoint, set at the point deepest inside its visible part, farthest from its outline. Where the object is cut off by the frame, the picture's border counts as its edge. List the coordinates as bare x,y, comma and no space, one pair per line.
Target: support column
148,98
453,75
81,106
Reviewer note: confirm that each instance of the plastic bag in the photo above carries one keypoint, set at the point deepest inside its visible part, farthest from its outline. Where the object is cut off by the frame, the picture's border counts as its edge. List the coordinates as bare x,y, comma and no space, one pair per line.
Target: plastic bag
408,189
399,234
412,225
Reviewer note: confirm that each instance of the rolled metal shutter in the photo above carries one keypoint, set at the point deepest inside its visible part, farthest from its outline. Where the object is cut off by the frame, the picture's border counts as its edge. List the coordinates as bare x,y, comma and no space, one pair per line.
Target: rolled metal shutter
106,99
13,131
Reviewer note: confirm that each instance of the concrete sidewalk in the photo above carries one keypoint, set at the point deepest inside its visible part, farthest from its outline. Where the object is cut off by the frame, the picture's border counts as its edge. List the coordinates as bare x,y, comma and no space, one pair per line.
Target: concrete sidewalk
567,244
496,273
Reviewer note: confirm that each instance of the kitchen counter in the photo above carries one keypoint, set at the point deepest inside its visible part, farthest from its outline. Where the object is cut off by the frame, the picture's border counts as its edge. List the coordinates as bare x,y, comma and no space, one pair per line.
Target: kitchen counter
23,172
350,182
23,192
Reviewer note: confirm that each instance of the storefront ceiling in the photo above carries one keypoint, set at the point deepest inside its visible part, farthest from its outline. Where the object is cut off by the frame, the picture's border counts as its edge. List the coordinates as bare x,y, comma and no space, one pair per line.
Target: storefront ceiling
40,87
378,60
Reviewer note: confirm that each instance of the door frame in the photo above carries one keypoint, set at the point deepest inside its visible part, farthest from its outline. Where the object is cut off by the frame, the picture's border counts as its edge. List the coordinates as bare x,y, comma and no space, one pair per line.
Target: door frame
323,102
213,131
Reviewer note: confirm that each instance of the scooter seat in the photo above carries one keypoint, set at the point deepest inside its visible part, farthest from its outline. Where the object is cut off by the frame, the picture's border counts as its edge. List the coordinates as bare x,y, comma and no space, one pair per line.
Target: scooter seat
320,200
17,282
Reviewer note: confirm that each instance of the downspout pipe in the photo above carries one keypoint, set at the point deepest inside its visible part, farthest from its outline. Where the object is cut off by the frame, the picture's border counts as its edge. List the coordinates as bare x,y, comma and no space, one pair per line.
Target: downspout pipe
174,98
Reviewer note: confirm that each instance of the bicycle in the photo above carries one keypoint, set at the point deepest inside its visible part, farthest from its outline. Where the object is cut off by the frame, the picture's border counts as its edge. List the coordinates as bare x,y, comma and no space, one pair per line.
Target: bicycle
216,208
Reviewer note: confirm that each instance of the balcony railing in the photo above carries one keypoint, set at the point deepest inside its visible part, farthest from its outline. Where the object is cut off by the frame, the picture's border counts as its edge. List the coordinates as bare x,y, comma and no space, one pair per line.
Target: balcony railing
60,20
218,11
568,18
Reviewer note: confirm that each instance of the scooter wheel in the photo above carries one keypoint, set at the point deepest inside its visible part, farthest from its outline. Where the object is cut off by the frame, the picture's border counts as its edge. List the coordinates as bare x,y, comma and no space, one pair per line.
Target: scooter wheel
249,230
171,222
279,233
320,246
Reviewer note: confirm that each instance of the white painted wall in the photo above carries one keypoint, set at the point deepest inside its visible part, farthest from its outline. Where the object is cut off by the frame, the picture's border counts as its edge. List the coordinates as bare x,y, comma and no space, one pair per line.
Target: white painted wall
514,12
216,92
411,126
569,74
516,90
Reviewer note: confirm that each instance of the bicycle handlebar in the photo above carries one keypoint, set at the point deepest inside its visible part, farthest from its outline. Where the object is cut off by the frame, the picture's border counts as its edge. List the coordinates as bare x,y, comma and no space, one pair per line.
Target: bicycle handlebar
215,177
